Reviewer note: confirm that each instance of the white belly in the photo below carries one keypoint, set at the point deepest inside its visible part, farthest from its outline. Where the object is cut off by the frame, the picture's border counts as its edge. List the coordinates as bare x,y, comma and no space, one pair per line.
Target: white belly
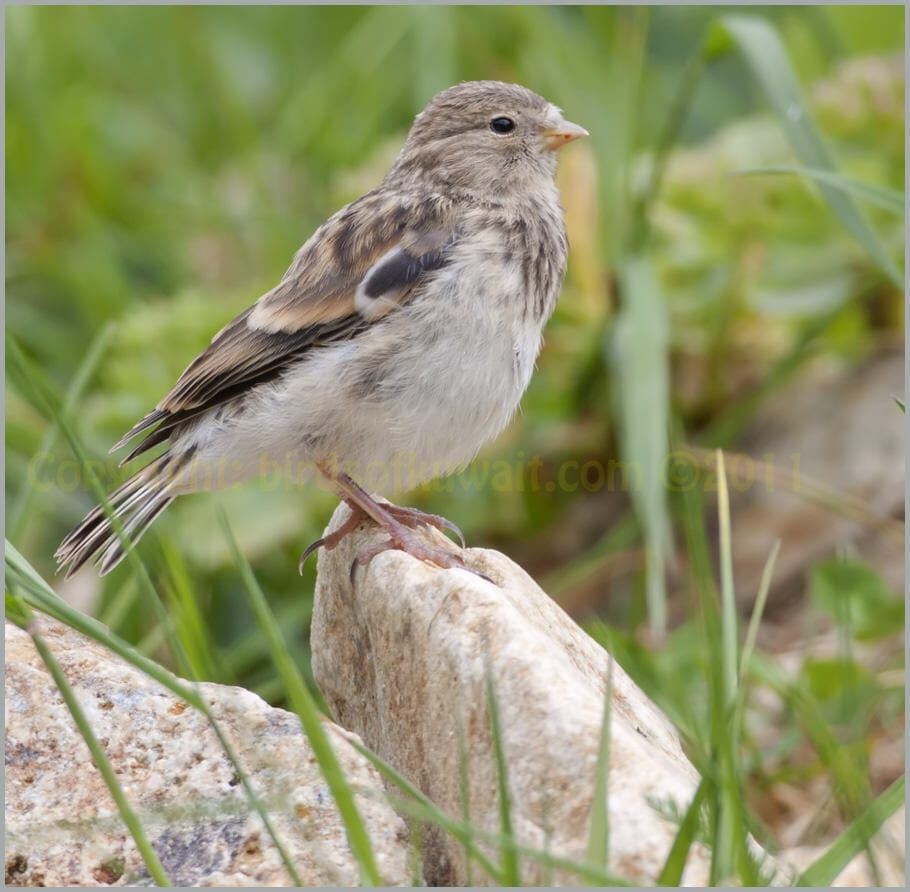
413,399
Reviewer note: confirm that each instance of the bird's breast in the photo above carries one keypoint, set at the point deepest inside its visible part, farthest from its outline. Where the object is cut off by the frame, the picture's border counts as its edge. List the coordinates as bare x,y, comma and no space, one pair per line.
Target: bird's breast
446,372
419,392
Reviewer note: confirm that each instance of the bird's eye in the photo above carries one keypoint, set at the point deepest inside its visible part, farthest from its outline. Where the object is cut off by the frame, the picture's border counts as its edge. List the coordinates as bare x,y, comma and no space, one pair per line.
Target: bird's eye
502,125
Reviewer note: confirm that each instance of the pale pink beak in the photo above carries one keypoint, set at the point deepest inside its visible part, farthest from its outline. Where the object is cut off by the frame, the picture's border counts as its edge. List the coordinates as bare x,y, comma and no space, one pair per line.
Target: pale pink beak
560,136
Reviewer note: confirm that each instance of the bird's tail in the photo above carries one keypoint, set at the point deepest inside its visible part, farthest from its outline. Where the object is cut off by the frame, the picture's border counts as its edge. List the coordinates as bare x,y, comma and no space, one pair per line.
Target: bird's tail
135,504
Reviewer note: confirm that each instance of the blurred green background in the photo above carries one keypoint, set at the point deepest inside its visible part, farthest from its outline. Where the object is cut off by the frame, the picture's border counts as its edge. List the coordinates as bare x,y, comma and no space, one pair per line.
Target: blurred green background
163,165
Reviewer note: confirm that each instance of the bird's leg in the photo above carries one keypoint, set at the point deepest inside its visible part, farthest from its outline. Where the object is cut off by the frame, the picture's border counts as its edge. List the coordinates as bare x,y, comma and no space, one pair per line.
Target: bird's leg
330,541
399,523
410,517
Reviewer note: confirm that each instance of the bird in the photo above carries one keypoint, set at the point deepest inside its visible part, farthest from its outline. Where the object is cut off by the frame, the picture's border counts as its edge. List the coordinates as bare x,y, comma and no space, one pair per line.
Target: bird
399,341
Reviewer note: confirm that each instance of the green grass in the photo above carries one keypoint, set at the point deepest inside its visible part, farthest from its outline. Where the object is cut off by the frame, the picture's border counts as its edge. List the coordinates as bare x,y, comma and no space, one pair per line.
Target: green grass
148,202
855,839
510,866
598,850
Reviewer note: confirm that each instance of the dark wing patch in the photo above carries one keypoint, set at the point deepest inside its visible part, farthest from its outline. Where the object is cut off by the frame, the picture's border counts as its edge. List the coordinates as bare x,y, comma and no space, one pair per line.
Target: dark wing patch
398,270
326,271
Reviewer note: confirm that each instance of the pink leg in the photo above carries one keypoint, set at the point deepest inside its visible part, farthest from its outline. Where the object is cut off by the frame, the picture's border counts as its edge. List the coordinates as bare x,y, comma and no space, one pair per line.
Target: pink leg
330,541
411,517
400,523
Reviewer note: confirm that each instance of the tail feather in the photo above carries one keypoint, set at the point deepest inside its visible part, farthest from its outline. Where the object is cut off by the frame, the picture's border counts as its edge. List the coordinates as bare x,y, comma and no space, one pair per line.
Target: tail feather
115,552
135,504
144,424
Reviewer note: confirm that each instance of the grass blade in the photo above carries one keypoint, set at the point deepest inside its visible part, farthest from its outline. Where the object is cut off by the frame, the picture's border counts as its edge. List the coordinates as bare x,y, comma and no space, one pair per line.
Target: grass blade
310,718
192,630
511,872
732,857
127,815
462,831
624,34
464,780
38,594
887,199
850,783
728,823
96,350
763,51
728,617
43,393
672,871
419,806
639,346
598,850
669,136
854,839
751,637
46,401
757,611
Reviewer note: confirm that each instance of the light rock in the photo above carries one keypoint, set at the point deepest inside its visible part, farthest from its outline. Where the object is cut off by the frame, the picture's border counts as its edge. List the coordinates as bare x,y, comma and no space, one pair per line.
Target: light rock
62,827
402,657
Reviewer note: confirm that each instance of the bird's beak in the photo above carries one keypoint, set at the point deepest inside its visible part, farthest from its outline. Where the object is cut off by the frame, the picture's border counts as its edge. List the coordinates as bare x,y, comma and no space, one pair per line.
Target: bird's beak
561,135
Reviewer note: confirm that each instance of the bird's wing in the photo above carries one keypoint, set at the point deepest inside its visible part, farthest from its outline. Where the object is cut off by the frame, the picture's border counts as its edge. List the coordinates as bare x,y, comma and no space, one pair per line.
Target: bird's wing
357,267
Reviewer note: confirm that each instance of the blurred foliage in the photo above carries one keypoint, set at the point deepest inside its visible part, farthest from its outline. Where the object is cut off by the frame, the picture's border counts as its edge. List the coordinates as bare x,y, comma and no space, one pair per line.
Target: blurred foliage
163,165
857,598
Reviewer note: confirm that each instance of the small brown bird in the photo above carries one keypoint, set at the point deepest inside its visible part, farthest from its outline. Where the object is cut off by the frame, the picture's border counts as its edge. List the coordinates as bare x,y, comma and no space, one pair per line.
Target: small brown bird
399,341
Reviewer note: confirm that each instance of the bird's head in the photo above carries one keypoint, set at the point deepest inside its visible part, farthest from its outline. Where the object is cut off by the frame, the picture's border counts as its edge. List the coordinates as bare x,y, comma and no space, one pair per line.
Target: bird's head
485,137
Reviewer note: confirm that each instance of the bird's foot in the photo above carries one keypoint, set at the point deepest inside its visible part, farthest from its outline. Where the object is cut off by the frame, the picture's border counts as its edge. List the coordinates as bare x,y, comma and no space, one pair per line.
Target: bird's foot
329,542
404,538
413,519
400,523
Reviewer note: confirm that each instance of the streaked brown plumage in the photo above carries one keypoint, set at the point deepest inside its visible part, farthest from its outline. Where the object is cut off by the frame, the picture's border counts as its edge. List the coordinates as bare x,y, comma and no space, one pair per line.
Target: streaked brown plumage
405,327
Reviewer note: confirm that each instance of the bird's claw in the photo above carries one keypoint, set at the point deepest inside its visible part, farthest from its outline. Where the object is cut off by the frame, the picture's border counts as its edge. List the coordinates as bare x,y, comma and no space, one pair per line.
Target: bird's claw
314,546
332,539
412,518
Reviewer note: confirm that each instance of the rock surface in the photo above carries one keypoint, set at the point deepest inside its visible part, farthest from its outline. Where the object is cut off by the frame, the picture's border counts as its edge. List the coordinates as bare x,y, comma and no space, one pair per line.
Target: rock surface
62,827
403,655
402,658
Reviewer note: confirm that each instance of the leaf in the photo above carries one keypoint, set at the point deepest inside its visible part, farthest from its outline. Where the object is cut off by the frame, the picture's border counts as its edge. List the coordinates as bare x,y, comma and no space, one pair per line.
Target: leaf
672,871
888,199
638,348
855,596
764,53
836,679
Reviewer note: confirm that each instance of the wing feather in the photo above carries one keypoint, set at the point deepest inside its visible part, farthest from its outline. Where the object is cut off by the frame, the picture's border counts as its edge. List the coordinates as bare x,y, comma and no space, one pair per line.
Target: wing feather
314,304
